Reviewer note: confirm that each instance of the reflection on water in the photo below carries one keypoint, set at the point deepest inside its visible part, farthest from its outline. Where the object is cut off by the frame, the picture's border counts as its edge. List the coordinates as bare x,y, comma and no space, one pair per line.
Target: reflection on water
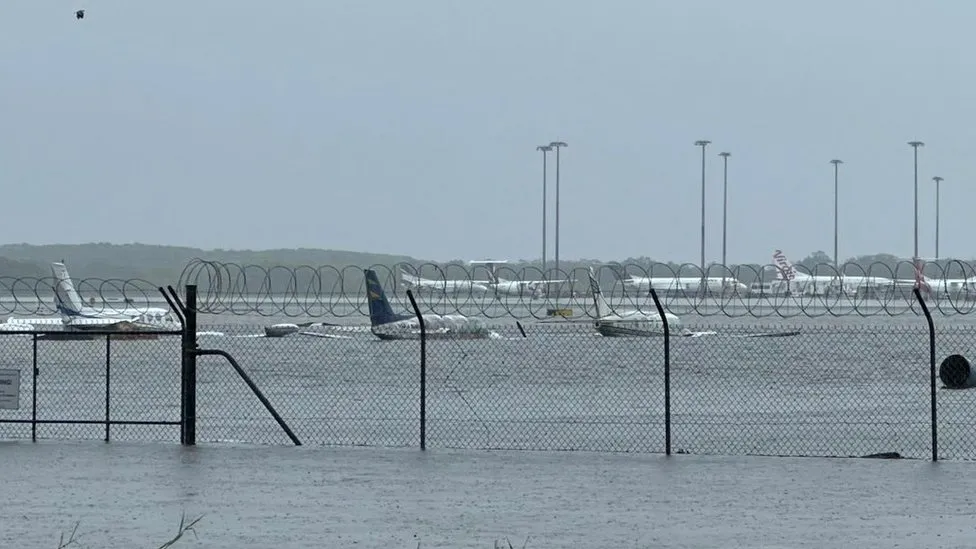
130,495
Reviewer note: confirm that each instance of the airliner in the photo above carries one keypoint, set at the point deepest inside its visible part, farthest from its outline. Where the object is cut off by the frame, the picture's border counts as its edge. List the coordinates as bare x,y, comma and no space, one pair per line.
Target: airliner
387,325
787,277
629,322
687,284
74,315
535,288
444,286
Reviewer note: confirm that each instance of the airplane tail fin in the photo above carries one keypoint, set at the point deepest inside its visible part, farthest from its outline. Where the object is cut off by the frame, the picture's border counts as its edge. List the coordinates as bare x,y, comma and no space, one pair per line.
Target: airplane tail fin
380,310
618,270
785,270
66,298
921,281
408,278
602,309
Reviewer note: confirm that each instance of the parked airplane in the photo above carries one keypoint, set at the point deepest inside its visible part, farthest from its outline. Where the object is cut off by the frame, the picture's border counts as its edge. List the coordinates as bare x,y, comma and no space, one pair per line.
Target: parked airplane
792,280
685,284
443,286
385,324
628,322
534,288
75,315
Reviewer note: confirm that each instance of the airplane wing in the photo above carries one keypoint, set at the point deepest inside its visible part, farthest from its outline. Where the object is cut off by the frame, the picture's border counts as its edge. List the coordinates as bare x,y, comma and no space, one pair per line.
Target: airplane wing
545,282
17,324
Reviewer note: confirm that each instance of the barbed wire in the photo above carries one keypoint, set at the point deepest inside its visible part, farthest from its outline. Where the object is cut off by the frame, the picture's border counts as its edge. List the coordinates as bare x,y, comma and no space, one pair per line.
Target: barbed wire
879,289
758,291
35,295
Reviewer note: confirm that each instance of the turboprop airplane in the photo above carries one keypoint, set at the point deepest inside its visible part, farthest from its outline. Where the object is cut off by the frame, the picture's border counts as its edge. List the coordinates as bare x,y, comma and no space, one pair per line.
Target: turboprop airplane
387,325
75,315
628,322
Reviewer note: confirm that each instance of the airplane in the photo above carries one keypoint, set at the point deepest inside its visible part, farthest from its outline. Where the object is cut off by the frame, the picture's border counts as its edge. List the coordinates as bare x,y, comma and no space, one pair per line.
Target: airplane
534,288
75,315
628,322
387,325
443,286
686,284
790,279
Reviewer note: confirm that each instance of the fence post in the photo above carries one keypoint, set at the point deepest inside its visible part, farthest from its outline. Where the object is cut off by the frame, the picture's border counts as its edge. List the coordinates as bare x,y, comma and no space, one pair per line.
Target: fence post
423,371
189,374
667,373
34,370
108,384
932,375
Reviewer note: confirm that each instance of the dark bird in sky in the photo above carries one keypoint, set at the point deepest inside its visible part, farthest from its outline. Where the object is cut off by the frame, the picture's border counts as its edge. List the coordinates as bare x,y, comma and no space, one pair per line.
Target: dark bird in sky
80,14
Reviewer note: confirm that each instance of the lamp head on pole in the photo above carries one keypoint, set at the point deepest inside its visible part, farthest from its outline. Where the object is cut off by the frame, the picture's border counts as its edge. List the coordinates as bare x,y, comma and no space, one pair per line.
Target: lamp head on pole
836,161
702,143
916,144
543,148
937,179
558,144
725,154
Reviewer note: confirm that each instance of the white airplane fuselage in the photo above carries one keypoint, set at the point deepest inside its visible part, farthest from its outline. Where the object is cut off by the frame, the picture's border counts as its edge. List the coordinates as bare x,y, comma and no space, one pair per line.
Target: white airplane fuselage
635,323
688,284
444,286
436,327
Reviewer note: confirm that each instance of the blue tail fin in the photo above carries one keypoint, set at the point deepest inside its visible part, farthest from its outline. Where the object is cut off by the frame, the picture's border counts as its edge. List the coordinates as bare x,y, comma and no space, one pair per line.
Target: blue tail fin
380,311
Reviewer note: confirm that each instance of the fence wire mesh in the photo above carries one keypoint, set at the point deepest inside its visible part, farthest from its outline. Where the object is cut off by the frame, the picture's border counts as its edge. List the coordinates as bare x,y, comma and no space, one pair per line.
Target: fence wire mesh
956,402
827,391
560,387
841,389
117,388
331,387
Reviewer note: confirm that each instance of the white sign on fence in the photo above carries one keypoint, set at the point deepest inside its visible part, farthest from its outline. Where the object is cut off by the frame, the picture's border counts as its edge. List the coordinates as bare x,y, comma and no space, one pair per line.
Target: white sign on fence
9,389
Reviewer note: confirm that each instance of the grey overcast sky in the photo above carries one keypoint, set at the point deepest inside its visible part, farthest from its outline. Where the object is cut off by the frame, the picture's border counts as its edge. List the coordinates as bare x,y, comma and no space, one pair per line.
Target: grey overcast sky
411,127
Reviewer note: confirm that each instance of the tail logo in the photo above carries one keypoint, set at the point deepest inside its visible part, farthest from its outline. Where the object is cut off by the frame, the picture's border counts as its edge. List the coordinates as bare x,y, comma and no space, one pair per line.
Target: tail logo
920,281
787,272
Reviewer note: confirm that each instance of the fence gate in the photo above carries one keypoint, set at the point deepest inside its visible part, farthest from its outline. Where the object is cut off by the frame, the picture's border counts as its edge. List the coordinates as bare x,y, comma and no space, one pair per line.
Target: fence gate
107,385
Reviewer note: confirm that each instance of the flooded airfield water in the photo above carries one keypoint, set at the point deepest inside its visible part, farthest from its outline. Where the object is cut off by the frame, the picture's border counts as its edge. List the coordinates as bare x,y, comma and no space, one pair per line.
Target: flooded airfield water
844,386
132,495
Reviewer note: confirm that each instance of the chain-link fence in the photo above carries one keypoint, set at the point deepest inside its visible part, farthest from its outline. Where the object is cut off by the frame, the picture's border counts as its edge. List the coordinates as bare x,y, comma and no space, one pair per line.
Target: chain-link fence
773,390
802,390
957,395
825,389
331,387
64,385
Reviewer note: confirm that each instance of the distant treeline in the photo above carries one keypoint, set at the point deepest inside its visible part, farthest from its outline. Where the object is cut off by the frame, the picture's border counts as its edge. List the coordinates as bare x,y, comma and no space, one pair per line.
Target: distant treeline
298,270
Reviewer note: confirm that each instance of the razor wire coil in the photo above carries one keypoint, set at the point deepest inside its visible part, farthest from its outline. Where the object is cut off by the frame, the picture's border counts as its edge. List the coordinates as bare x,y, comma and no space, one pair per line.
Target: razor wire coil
526,293
523,293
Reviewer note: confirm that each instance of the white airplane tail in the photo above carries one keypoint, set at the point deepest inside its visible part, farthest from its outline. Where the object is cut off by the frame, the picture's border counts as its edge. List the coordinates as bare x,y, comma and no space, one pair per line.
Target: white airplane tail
785,270
409,278
602,309
66,298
